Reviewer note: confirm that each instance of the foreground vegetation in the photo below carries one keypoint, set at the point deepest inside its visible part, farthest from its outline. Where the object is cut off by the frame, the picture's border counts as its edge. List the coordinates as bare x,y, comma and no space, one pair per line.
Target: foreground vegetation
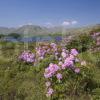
21,80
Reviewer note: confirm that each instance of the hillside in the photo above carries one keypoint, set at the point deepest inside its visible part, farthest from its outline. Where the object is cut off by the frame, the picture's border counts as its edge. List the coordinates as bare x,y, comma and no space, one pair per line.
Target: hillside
40,30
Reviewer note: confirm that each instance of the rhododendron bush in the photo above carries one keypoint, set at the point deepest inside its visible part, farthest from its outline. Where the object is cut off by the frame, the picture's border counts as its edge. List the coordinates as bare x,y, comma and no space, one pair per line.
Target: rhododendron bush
66,74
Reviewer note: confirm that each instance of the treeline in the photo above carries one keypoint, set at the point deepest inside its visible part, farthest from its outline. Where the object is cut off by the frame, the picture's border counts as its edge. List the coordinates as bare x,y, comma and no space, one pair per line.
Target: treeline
13,35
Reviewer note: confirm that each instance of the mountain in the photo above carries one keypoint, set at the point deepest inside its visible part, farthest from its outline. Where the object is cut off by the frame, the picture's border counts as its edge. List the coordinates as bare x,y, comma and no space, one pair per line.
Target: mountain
33,30
30,29
5,30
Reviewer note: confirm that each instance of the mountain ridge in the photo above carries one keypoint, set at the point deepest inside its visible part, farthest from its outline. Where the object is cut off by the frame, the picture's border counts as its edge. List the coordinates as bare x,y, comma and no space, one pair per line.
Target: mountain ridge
41,30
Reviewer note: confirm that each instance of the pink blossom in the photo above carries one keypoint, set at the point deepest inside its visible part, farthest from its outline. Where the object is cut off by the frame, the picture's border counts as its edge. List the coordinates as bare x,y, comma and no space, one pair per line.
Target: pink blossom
59,76
48,84
77,70
83,63
64,50
51,70
63,66
51,65
47,73
71,57
49,92
60,58
69,62
63,54
48,50
60,63
27,56
41,58
53,45
56,53
74,52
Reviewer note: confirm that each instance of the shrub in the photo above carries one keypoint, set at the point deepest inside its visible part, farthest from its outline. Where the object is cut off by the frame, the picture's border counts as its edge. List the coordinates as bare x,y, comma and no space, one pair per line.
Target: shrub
82,42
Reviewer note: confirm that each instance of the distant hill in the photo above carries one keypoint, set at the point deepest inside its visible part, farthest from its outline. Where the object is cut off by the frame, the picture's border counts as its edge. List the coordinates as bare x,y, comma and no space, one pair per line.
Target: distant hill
34,30
5,30
30,29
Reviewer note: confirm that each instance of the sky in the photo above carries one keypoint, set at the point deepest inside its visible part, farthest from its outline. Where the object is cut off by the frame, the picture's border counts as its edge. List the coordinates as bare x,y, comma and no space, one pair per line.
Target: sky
14,13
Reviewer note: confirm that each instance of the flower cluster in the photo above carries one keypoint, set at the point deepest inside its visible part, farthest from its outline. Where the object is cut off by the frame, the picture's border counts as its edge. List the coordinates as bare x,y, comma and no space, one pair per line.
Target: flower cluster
40,53
51,70
27,56
46,49
67,60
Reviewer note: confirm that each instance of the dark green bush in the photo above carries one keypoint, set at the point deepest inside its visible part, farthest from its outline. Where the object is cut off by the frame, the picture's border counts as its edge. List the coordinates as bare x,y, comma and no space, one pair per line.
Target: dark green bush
82,42
14,35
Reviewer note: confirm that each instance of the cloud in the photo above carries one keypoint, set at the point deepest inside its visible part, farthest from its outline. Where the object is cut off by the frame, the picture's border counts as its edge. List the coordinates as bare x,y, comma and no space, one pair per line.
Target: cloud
74,22
66,23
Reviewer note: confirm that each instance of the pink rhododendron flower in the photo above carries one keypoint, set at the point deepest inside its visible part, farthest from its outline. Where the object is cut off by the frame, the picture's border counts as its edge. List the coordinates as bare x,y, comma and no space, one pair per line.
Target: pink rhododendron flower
59,76
69,62
49,92
48,83
56,53
74,52
83,63
63,66
27,56
47,73
60,63
41,58
63,54
60,58
51,65
48,50
53,45
50,71
63,50
77,70
71,57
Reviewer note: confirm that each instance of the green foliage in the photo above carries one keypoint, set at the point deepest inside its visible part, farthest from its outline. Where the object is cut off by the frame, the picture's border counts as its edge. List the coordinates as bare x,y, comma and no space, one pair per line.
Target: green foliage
22,81
96,94
2,35
74,84
14,35
45,62
82,42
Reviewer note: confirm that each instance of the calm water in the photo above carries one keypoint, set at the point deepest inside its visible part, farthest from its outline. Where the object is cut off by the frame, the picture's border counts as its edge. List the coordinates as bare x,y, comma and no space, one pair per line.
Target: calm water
34,39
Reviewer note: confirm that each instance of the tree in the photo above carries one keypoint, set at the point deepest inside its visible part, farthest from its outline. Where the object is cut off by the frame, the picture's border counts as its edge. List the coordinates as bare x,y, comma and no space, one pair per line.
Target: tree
1,36
14,35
